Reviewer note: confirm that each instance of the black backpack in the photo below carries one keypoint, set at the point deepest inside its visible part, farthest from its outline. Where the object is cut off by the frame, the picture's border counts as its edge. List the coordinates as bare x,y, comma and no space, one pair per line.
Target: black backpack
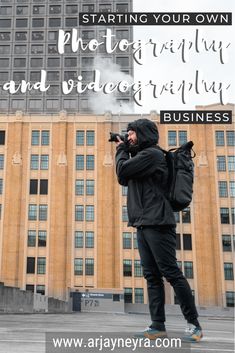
180,177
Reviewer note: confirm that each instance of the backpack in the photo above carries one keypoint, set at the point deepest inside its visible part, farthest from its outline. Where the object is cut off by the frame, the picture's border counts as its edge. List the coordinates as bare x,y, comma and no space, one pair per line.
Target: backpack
180,175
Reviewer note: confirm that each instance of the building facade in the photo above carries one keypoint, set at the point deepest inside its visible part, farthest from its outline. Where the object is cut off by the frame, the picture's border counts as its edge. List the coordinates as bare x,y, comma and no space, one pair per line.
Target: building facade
63,223
28,44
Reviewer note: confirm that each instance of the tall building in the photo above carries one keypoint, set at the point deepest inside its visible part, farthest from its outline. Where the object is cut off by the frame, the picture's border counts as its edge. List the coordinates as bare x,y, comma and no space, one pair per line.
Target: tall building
28,44
63,223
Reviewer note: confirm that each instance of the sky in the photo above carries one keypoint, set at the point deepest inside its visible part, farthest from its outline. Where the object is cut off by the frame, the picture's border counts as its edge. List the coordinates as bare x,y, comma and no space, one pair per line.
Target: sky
169,67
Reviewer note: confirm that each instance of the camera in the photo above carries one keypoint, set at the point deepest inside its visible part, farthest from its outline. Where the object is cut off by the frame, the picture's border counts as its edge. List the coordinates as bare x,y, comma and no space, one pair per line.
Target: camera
114,135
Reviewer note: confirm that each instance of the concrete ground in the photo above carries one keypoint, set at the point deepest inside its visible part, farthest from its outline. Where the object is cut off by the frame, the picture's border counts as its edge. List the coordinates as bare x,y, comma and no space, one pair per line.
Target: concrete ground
26,333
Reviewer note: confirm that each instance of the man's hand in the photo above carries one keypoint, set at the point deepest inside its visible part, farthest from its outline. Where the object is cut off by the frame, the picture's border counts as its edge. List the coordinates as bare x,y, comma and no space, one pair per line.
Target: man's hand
119,141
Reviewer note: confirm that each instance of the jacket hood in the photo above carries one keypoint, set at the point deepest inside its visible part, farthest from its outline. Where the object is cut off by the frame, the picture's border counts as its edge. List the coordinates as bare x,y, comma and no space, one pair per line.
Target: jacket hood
146,132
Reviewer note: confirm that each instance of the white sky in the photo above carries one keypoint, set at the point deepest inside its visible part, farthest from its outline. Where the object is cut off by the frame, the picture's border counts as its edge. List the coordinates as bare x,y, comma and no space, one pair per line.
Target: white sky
169,66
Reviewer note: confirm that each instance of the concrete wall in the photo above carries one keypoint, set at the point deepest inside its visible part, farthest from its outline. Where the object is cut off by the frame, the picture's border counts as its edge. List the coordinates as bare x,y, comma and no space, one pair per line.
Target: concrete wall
15,300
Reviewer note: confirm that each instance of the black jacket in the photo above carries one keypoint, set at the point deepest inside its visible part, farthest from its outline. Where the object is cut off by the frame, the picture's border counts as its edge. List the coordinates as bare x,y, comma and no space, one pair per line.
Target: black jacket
145,174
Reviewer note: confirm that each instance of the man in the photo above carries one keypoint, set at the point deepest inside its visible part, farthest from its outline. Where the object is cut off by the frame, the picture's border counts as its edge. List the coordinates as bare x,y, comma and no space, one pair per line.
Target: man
145,174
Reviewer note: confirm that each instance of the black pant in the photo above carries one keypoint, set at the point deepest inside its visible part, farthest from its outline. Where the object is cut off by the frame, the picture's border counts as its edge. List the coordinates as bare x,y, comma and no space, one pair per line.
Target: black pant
157,248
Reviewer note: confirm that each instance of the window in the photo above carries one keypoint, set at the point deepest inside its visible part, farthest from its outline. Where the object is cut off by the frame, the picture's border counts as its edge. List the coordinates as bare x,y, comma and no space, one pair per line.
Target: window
42,212
35,77
5,23
5,10
41,265
135,243
230,299
186,218
70,62
19,62
43,186
224,215
38,10
88,35
37,35
4,49
80,135
34,161
79,162
90,162
87,75
231,163
30,265
40,289
122,7
32,238
187,241
230,137
88,8
53,62
20,49
36,62
87,61
30,287
122,34
105,8
90,138
71,22
1,161
179,264
4,62
79,187
33,187
124,214
2,137
1,186
78,267
53,75
188,269
90,213
44,162
52,49
32,212
223,189
42,238
182,137
128,295
21,22
54,90
22,10
54,22
221,163
54,9
172,138
233,215
228,271
79,212
45,137
37,49
139,295
35,137
90,186
38,22
126,240
226,242
122,61
89,267
78,239
35,104
232,188
137,269
127,268
219,138
5,36
89,240
178,241
71,9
